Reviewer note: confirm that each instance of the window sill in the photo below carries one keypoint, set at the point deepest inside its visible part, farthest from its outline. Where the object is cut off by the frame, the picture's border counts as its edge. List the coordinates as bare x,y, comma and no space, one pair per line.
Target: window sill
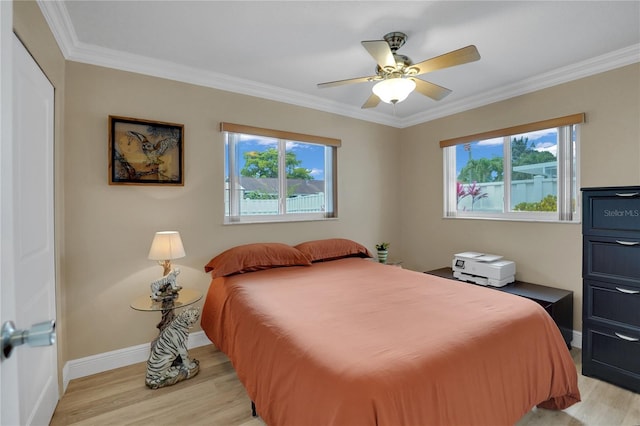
515,219
252,220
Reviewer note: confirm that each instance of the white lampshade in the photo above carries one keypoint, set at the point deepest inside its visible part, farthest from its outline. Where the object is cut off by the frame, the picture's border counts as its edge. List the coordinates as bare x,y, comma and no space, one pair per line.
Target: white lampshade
394,90
166,245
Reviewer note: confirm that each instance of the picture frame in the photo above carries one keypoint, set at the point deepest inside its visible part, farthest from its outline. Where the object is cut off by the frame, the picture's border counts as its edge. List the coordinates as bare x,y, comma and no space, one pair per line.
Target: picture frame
145,152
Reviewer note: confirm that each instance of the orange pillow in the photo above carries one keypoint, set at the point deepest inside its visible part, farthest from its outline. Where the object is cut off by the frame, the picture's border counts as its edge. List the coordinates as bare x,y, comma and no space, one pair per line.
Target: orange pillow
332,249
255,257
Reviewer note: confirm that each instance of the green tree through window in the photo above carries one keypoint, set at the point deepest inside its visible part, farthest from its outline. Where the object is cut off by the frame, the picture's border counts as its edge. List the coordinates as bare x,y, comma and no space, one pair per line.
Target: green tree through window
523,153
265,165
482,170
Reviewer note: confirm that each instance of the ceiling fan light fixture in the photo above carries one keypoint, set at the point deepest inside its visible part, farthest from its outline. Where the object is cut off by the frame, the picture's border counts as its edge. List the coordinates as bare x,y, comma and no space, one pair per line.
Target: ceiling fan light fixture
394,90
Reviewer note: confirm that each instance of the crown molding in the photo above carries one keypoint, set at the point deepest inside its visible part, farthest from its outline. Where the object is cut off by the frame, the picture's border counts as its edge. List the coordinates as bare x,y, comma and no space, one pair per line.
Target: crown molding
609,61
59,21
56,15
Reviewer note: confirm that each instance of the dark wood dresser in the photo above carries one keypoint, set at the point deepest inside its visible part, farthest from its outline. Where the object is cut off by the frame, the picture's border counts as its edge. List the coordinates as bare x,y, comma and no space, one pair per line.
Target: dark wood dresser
611,285
557,302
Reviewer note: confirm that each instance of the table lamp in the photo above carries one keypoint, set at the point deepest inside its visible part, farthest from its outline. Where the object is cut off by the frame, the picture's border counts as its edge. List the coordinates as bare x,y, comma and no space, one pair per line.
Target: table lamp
165,247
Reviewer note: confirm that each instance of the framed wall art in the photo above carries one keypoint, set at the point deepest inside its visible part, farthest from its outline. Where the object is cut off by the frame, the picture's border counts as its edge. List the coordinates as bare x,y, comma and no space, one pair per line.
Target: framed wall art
144,152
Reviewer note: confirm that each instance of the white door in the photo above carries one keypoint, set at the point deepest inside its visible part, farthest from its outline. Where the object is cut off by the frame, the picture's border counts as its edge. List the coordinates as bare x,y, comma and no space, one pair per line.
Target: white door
29,376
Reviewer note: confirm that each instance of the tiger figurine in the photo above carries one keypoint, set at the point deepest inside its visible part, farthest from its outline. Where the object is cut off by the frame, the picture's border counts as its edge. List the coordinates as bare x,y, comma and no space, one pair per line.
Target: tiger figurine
169,361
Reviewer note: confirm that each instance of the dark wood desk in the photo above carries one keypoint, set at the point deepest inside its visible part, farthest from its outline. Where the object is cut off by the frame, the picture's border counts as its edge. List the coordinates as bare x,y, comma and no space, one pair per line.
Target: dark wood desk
558,303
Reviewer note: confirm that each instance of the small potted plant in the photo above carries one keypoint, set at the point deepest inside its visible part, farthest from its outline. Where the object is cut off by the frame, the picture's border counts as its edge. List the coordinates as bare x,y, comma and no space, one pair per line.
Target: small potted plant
383,252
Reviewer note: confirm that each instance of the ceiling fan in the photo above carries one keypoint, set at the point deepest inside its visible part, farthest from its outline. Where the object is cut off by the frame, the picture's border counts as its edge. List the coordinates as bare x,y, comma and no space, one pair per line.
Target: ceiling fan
396,73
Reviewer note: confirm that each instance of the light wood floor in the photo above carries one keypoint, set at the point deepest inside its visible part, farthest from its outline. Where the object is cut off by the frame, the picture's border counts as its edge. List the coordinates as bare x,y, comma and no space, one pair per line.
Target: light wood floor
216,397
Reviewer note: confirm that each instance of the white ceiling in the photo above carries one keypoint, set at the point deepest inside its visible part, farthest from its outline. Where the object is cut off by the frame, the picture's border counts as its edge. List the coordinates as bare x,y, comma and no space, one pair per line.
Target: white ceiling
281,50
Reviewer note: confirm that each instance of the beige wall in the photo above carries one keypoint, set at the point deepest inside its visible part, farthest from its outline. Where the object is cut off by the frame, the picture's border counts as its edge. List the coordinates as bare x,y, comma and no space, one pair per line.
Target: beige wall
545,253
109,228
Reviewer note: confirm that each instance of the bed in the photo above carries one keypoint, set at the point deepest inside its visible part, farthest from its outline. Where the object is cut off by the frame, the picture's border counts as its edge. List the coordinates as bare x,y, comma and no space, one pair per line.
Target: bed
322,335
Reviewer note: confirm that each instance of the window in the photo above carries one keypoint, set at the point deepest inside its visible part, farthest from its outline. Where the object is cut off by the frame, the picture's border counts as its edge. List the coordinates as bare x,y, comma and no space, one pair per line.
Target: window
273,176
527,172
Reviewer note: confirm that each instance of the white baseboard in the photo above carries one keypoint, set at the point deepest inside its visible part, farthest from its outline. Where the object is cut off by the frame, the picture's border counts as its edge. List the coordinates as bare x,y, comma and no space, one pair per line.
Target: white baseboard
99,363
577,340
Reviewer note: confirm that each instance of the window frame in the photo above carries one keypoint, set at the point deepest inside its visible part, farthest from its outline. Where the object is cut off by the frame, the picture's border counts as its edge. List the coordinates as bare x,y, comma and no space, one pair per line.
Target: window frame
282,137
567,191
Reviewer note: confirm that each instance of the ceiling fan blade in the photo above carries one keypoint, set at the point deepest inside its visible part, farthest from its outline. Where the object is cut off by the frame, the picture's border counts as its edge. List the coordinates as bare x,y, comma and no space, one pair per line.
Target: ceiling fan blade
347,81
372,102
381,52
431,90
451,59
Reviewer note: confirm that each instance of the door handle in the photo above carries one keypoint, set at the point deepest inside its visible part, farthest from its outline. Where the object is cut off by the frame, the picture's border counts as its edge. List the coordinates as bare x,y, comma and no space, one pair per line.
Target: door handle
627,194
41,334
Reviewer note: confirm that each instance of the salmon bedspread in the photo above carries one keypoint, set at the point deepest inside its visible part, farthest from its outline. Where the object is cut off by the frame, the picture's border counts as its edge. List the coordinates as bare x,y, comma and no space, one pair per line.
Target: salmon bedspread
353,342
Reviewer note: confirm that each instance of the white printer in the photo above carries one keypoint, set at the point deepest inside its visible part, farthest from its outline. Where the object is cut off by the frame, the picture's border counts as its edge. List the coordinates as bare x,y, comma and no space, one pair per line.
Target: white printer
483,269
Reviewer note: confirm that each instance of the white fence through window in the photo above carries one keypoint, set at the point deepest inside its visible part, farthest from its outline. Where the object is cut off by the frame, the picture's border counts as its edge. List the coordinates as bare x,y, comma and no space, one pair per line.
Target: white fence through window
529,190
313,203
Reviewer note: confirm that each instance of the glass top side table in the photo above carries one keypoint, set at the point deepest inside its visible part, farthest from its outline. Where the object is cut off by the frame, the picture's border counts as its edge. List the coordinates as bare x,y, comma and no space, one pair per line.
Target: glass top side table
186,297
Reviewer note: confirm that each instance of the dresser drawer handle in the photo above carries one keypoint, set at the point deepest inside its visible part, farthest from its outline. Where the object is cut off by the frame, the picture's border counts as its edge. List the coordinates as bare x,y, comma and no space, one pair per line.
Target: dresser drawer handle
624,290
627,338
628,194
628,243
